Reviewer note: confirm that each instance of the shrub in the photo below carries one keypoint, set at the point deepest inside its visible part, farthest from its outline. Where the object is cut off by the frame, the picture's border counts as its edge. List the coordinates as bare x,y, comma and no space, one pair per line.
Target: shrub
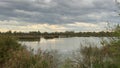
93,57
13,55
7,45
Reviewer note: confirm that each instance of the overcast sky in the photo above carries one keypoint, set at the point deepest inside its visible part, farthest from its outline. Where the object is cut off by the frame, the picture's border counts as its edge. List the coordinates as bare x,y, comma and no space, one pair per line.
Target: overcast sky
57,15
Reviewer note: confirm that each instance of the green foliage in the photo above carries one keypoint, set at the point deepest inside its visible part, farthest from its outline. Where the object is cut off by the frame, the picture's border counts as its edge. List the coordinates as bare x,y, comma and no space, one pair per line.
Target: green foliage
67,63
117,31
107,56
7,45
13,55
25,59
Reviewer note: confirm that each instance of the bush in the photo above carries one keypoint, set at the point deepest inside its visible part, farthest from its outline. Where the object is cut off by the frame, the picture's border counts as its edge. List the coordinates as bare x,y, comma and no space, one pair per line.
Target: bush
7,46
13,55
107,56
25,59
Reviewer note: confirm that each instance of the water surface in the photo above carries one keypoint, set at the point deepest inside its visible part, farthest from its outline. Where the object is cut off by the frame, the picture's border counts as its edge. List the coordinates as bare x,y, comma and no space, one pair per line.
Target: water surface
63,45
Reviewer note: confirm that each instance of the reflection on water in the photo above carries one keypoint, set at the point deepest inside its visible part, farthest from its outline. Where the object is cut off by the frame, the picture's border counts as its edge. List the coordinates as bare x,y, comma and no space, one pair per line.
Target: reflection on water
63,45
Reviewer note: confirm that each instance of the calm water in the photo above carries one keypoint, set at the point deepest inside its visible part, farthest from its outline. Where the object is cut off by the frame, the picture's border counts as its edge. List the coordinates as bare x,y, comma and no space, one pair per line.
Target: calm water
63,45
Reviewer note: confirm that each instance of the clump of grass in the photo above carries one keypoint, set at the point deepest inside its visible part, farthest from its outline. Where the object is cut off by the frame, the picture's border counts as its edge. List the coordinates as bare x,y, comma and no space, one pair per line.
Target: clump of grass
7,46
94,57
107,56
25,59
13,55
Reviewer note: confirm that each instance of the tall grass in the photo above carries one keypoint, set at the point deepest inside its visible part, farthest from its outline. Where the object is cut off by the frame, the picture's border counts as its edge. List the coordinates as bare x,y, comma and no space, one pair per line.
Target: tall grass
13,55
93,57
7,46
25,59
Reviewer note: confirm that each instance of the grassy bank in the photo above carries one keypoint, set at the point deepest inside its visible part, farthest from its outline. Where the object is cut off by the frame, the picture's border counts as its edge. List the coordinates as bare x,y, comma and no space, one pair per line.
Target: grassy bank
93,57
13,55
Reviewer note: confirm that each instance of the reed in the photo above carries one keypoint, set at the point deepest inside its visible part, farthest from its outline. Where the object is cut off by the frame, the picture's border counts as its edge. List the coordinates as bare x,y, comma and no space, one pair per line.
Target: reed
13,55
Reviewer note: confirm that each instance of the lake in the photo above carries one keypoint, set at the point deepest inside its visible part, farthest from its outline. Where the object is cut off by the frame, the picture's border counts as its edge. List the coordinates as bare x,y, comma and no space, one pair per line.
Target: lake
63,45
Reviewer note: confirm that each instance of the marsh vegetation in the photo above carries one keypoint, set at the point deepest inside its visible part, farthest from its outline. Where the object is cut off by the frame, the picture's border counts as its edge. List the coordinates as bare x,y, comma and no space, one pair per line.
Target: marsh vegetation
14,55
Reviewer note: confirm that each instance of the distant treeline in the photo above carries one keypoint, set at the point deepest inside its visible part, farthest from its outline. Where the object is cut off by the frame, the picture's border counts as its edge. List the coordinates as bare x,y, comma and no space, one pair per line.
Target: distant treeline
61,34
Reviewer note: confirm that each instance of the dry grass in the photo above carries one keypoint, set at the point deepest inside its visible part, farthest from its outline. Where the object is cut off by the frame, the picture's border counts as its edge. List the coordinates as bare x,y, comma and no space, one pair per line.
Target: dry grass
13,55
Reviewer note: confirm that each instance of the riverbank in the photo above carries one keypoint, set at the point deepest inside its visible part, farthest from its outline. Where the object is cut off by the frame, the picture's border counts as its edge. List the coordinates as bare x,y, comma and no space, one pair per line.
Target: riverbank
13,55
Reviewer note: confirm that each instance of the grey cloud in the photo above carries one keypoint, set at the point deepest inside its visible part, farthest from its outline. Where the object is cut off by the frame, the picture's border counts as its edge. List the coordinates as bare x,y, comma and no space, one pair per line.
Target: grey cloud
55,11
